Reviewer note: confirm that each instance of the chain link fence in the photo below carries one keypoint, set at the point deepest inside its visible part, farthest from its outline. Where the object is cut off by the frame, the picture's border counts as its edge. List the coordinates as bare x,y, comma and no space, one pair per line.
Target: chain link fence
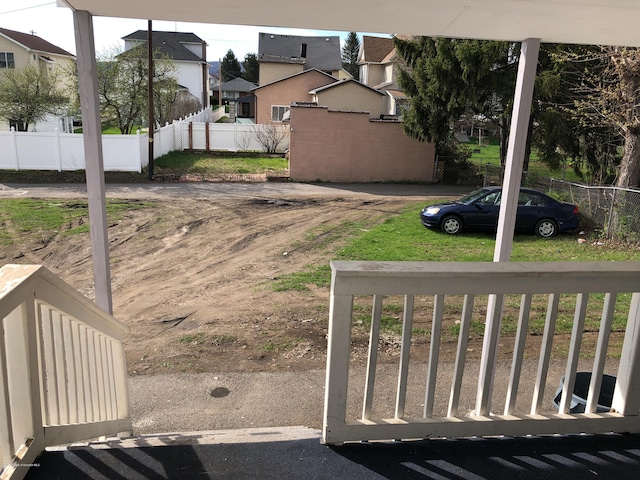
612,210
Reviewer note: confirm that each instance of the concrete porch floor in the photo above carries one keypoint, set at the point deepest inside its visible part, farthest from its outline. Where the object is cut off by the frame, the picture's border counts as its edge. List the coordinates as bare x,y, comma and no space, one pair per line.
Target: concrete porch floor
245,425
296,453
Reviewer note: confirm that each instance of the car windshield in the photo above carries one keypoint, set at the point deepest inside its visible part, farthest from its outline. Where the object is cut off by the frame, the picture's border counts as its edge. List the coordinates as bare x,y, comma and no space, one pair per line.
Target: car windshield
473,196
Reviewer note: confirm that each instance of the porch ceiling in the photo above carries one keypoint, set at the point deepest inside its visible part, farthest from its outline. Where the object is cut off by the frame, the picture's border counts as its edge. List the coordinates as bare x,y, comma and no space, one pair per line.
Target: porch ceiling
611,22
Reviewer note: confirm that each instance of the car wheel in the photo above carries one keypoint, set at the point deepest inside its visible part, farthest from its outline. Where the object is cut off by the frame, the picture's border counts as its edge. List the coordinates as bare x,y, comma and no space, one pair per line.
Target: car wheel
546,228
451,225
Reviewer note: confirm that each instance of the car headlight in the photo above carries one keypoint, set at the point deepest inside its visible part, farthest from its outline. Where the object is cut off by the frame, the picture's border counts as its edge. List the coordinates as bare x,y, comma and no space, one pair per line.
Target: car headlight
431,210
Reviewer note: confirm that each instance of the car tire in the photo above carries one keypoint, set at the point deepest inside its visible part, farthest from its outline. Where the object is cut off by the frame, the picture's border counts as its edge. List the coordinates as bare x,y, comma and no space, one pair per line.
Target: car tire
546,228
451,225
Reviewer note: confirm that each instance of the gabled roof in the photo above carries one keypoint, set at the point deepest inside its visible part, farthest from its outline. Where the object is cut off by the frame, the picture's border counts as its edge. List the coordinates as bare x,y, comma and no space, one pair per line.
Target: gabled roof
238,85
304,72
341,83
171,44
33,42
322,53
375,49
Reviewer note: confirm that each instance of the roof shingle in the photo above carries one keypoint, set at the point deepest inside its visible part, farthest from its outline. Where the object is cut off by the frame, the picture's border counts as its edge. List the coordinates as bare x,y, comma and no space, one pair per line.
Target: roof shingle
322,53
34,42
170,44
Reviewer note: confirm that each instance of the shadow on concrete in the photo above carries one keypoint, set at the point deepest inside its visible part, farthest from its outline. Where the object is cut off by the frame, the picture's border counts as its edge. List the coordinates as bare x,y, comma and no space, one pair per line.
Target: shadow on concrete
558,457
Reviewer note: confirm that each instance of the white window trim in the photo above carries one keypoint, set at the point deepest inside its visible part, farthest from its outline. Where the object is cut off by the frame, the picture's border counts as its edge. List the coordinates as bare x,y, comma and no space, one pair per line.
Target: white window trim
279,118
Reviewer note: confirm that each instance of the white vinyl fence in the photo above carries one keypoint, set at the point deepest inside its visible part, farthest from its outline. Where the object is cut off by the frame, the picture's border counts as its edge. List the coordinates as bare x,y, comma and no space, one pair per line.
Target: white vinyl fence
128,153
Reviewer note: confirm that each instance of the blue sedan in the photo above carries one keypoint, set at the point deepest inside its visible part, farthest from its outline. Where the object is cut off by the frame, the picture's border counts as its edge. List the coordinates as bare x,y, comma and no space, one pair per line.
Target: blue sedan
537,212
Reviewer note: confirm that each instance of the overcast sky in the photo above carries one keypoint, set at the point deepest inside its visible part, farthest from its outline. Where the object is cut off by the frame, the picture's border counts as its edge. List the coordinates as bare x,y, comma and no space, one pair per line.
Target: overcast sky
54,24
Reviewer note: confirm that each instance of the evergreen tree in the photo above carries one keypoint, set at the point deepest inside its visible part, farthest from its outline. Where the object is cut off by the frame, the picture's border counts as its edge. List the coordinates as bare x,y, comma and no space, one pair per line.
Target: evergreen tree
251,68
447,78
350,52
230,67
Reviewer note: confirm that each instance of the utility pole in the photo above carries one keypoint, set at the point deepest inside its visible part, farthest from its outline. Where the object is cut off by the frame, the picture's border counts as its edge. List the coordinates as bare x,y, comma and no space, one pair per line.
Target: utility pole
152,120
219,82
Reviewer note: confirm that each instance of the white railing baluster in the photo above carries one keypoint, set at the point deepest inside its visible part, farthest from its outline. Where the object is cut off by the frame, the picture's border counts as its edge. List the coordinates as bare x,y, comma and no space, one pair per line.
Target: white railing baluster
338,349
601,352
518,354
372,359
545,353
79,373
403,369
574,353
105,375
99,399
59,366
120,365
94,398
70,363
489,354
84,398
461,355
113,404
49,361
434,353
626,397
6,422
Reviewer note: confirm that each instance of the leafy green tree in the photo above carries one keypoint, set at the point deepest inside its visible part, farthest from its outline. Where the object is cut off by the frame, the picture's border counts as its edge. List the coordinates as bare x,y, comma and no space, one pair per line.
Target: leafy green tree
350,52
564,137
251,68
230,67
30,94
604,83
122,88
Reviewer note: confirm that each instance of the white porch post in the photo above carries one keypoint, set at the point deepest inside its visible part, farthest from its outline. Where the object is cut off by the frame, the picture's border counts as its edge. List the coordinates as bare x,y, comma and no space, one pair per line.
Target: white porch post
506,222
94,166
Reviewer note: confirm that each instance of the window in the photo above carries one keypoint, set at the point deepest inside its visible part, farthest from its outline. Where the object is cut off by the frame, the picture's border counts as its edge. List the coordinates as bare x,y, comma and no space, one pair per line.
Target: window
278,112
6,60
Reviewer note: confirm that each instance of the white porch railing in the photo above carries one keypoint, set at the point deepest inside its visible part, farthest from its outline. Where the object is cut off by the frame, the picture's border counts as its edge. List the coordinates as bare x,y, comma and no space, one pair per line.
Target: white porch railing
442,284
63,374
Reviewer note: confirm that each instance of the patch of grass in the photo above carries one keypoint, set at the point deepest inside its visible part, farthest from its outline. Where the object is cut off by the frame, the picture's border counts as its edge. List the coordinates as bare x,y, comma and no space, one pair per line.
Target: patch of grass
46,218
193,339
280,346
223,339
489,152
209,164
403,238
319,275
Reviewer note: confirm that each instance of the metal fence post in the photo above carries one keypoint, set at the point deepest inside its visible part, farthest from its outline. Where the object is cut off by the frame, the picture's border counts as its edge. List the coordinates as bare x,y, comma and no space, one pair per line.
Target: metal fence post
610,221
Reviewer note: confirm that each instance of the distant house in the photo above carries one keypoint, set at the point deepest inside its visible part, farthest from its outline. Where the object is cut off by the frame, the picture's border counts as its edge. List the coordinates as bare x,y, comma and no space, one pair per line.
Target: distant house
351,96
17,50
379,69
273,100
237,94
281,56
189,54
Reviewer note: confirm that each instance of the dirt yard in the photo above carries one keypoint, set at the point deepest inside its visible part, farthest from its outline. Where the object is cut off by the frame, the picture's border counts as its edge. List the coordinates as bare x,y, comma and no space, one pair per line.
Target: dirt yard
192,278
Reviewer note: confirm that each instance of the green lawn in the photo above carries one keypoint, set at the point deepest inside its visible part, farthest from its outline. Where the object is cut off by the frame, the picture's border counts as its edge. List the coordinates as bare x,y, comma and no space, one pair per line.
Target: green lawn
489,153
210,164
403,238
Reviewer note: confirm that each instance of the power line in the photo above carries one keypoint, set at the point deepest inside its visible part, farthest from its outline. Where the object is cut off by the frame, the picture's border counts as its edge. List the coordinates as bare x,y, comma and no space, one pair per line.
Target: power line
27,8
